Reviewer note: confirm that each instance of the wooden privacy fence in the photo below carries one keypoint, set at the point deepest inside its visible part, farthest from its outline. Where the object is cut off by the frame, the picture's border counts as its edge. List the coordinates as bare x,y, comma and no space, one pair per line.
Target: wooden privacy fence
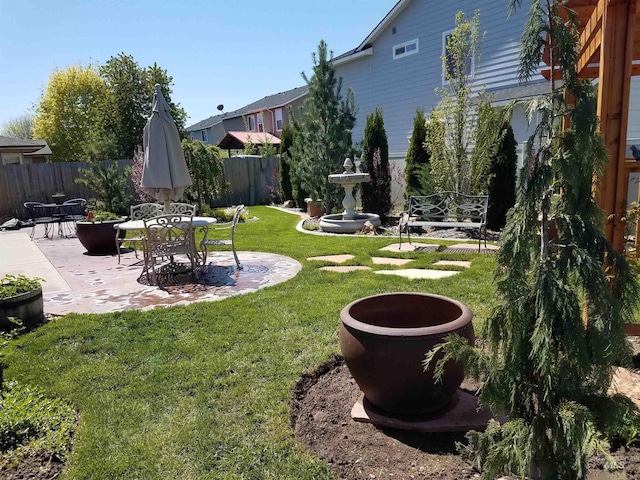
250,180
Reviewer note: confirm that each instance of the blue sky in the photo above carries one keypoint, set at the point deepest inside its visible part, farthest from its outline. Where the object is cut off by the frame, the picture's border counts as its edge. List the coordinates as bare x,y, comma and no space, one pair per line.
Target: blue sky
228,52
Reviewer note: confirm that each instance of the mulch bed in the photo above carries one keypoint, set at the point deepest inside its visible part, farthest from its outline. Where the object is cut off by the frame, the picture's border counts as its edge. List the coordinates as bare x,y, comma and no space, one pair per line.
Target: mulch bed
321,419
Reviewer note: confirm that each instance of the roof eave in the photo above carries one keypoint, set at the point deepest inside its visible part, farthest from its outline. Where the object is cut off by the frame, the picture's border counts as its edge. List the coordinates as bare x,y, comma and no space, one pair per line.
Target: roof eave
353,56
280,105
384,23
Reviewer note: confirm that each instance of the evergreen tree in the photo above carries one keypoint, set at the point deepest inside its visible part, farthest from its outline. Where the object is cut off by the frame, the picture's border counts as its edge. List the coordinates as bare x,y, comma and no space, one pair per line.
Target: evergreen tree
286,144
558,329
376,193
417,157
323,131
502,179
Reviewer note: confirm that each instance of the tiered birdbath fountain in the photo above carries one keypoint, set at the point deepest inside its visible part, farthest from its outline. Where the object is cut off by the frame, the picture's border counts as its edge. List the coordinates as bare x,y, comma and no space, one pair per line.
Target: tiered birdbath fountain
349,221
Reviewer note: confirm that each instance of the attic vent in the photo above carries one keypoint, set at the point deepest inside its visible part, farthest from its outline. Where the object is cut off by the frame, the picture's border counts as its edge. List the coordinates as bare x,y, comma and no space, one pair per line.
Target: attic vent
393,30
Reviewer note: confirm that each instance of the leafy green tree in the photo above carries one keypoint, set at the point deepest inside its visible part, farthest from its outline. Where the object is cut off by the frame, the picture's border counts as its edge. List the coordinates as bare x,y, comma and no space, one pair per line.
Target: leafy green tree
206,169
451,164
417,157
286,143
323,131
128,104
376,193
18,127
67,111
558,329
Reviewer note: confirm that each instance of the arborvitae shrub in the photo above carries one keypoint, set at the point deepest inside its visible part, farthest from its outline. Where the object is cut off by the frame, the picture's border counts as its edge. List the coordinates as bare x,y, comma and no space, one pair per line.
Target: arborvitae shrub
502,184
376,194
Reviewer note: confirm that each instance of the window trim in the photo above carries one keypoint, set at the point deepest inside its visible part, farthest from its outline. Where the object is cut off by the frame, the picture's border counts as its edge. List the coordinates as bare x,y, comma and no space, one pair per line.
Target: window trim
444,54
281,119
405,53
260,122
204,136
251,123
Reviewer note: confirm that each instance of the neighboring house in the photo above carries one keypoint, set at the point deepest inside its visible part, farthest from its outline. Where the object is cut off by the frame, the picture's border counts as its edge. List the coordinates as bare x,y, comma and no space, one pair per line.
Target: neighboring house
23,152
399,65
267,115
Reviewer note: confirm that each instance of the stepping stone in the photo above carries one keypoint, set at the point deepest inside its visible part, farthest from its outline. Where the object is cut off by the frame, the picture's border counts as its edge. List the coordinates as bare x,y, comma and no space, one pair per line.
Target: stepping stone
345,269
333,258
410,247
419,273
627,383
470,248
453,263
390,261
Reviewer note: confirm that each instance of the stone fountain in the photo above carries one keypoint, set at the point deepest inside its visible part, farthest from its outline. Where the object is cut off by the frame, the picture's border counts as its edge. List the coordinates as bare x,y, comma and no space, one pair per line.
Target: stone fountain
349,221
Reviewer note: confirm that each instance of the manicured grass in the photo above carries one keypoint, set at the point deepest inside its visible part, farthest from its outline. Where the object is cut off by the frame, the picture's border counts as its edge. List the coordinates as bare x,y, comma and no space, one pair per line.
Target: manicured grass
201,391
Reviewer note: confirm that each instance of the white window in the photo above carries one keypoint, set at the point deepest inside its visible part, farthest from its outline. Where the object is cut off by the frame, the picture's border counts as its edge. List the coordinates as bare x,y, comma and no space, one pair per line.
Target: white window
468,60
204,136
11,158
251,123
279,119
406,48
260,123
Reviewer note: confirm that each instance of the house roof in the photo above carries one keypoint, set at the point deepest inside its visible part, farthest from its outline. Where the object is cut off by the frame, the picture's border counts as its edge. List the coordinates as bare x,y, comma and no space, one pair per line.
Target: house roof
10,142
375,33
237,140
521,92
269,102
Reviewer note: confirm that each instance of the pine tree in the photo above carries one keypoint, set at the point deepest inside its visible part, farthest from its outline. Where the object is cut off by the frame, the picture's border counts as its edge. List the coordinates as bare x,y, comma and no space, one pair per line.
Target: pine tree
376,193
286,143
323,131
558,329
417,157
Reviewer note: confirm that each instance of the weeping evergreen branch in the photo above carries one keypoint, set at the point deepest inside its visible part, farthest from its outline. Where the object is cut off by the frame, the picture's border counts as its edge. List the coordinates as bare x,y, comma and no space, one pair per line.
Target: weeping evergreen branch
563,299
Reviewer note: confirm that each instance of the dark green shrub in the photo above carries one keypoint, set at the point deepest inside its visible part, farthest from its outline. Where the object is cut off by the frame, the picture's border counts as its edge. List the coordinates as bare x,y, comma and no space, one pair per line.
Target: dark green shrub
417,158
502,183
286,143
376,194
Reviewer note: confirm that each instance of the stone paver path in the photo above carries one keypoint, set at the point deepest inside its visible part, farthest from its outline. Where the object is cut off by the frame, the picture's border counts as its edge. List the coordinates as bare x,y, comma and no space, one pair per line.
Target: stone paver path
419,273
410,247
345,268
390,261
332,258
453,263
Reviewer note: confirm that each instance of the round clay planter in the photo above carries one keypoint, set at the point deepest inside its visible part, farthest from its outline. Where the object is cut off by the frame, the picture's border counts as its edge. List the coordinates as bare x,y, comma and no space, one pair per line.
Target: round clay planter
28,307
99,238
384,339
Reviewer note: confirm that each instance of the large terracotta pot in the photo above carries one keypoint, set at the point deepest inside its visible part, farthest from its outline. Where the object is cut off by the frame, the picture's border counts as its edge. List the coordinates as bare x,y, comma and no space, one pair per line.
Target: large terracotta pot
28,307
384,339
99,238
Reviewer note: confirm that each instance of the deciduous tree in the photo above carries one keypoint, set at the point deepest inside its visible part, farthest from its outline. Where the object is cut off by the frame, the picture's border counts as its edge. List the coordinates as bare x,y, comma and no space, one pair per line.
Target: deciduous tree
67,111
18,127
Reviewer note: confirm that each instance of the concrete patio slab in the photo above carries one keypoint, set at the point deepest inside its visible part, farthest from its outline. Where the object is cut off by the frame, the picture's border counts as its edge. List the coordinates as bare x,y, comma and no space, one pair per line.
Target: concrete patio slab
410,247
470,248
345,269
453,263
390,261
419,273
20,256
332,258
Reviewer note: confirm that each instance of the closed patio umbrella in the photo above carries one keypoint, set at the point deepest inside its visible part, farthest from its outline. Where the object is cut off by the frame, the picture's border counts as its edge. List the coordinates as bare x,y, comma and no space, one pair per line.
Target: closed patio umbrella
165,174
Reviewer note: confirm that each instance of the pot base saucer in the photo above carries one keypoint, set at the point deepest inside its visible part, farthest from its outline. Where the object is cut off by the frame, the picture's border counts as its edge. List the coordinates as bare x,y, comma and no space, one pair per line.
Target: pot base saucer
461,415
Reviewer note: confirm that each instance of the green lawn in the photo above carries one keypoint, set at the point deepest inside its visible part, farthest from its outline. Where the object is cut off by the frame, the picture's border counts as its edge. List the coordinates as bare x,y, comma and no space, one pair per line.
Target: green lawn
201,391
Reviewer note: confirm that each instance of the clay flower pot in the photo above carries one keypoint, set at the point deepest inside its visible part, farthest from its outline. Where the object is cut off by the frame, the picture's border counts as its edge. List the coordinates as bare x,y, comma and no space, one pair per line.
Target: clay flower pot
384,339
99,238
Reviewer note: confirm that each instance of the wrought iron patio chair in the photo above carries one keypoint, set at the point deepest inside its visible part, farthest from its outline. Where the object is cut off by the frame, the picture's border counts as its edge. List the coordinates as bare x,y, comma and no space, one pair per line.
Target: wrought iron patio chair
138,212
206,242
39,214
182,208
167,236
74,210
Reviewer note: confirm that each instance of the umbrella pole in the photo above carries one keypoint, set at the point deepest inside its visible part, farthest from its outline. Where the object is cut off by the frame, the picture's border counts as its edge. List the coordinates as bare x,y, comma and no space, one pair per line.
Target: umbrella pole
167,206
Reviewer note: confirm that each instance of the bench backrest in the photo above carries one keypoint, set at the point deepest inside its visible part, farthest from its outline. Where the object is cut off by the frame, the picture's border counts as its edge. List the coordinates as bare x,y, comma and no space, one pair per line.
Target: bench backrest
449,205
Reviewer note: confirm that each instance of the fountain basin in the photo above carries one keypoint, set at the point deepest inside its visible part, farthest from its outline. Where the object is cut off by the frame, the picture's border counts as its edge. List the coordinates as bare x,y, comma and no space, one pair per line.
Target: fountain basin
338,223
344,178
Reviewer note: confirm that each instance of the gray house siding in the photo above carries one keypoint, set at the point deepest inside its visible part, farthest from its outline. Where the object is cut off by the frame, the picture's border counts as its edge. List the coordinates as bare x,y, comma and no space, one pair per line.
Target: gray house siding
402,85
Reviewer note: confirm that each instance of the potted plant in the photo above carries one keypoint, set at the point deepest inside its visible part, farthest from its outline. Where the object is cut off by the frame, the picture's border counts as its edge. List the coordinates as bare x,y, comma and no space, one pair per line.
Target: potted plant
20,297
97,233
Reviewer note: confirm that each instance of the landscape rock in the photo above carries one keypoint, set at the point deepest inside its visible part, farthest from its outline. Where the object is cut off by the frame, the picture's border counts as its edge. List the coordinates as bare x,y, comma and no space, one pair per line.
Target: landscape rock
289,204
368,229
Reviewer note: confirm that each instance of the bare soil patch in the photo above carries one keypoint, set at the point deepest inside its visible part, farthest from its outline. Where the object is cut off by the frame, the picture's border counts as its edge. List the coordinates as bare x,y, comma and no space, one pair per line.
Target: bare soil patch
321,418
